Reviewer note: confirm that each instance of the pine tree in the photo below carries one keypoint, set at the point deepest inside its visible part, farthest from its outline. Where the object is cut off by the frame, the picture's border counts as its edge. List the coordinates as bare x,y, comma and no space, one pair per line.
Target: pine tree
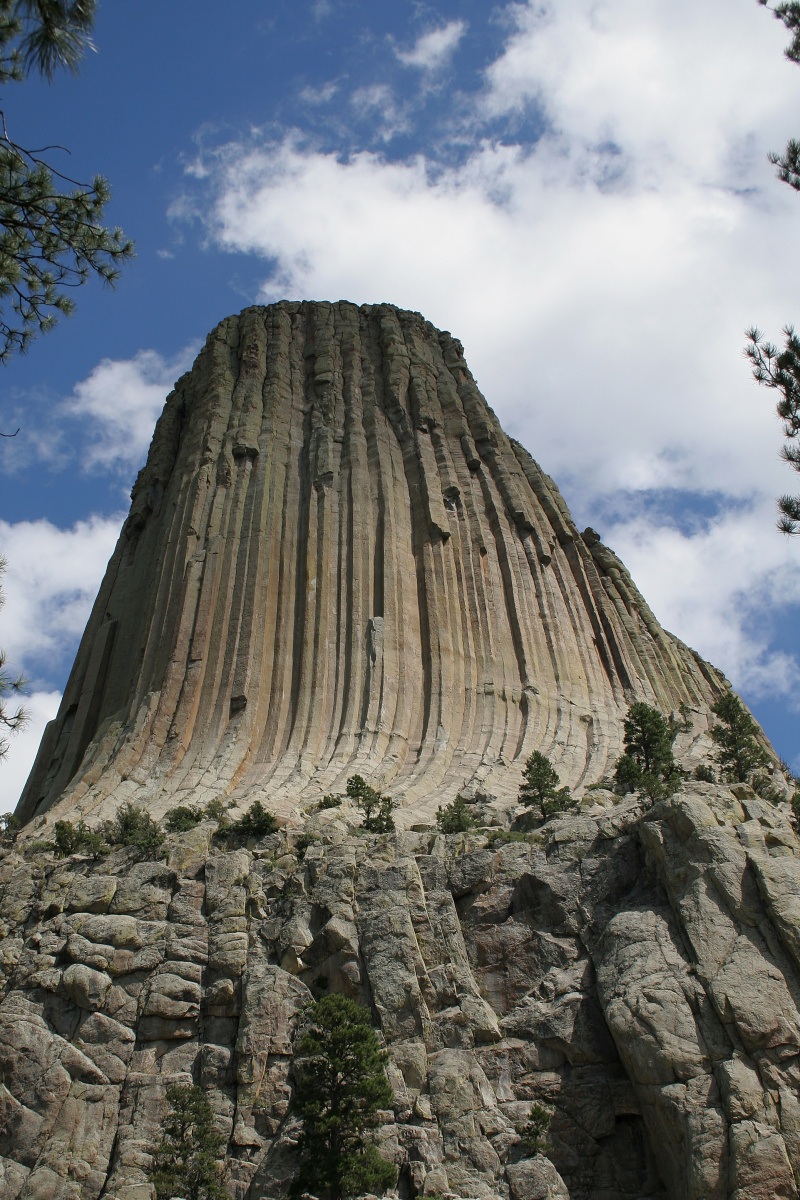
533,1133
648,763
186,1161
539,788
455,817
736,738
12,717
774,368
257,822
51,231
377,809
341,1086
133,826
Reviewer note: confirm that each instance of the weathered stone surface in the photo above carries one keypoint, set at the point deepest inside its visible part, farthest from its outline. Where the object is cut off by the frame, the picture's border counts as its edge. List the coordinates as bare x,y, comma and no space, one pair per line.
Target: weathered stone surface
632,971
336,561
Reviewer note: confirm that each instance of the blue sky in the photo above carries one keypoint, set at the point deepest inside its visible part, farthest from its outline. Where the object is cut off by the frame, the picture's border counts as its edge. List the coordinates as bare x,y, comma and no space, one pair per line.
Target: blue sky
579,190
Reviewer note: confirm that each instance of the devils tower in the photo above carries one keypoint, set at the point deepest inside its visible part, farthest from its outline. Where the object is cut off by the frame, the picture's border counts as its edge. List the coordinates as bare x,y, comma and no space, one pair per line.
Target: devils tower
336,561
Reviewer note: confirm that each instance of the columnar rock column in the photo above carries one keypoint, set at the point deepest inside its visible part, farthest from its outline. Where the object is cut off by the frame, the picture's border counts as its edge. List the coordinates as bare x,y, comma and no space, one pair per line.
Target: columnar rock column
336,561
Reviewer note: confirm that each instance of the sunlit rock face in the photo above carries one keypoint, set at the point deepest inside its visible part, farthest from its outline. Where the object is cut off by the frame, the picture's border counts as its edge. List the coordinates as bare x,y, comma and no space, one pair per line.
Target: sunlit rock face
337,562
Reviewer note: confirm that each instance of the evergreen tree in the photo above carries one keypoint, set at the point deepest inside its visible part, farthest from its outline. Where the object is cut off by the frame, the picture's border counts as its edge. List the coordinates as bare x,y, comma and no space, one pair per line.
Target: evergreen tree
257,822
455,817
738,752
774,368
648,763
12,716
183,818
78,839
51,231
533,1133
186,1161
341,1086
133,826
377,809
539,787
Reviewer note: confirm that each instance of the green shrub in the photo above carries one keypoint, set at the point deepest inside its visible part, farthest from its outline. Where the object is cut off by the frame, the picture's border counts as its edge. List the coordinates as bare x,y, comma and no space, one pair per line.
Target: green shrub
183,818
9,828
257,822
377,809
133,826
703,774
455,817
77,839
330,802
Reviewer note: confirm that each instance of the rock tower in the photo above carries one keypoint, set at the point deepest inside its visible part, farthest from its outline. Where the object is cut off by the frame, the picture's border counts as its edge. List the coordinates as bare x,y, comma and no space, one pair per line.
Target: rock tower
337,562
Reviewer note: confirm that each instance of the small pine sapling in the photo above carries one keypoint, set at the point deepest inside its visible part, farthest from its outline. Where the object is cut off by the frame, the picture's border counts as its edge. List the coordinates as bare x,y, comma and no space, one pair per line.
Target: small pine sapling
455,817
533,1132
330,801
186,1161
703,774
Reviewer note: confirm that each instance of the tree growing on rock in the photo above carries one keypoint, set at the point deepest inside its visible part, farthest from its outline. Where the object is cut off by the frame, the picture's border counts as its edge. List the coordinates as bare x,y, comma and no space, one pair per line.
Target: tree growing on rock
186,1162
377,809
257,822
455,817
539,788
648,764
533,1132
341,1087
78,838
736,739
134,827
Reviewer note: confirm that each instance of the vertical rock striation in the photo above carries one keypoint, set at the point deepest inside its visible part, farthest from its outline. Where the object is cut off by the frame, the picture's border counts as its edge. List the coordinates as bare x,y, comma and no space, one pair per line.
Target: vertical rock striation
336,561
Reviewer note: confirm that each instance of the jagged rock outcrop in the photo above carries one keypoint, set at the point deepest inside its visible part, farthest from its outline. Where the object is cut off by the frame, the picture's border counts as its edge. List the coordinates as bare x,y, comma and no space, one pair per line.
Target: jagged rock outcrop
336,562
636,969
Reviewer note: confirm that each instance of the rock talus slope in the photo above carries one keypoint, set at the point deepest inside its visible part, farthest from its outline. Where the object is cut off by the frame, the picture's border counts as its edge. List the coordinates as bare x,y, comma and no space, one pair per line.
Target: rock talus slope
336,562
637,970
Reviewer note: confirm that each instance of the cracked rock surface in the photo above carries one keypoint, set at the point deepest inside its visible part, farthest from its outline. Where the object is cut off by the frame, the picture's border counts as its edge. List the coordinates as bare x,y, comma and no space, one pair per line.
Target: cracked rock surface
635,969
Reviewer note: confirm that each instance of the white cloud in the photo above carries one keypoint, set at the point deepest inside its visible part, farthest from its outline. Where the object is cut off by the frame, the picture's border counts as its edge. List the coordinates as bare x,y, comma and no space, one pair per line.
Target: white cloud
124,398
715,586
15,769
432,50
50,585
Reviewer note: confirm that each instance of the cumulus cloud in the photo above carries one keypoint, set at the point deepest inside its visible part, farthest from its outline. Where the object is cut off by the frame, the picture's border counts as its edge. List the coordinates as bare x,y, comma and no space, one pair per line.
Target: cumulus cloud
714,585
15,769
432,50
50,585
123,398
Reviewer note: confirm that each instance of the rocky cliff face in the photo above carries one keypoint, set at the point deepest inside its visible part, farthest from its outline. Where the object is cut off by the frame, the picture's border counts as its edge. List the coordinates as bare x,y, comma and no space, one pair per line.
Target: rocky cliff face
336,562
637,970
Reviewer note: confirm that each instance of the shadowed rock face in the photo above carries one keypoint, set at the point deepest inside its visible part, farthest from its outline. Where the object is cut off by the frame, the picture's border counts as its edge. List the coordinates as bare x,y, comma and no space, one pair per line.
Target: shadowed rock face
337,562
